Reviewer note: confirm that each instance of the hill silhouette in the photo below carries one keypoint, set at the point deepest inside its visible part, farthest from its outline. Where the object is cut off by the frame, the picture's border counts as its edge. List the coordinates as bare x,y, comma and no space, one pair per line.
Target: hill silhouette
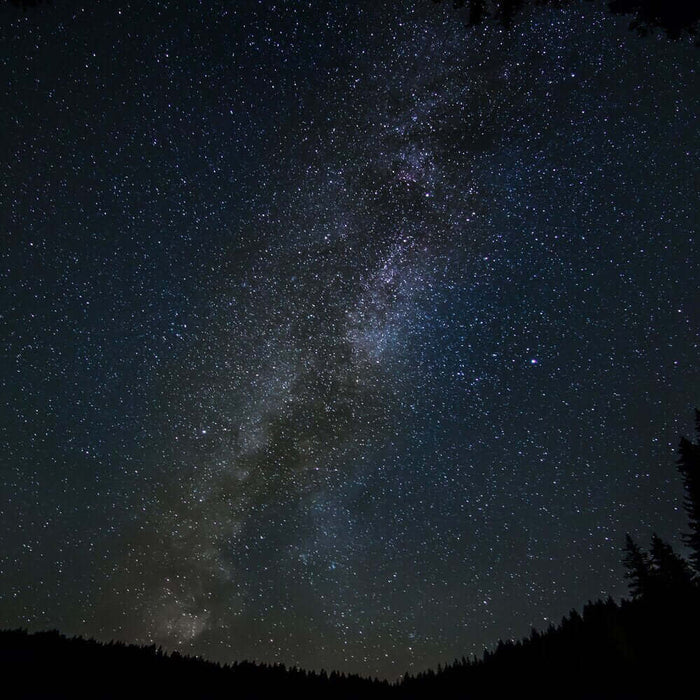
634,649
643,647
50,665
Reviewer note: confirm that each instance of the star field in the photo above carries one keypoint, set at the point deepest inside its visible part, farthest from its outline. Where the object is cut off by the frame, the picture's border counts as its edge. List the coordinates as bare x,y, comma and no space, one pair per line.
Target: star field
336,334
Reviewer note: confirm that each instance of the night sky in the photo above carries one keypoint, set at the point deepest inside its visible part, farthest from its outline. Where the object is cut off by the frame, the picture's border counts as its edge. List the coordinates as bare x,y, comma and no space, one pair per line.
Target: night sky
334,333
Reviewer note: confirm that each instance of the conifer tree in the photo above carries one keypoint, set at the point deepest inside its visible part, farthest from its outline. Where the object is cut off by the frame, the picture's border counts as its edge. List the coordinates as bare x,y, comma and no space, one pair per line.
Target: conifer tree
638,568
689,467
670,572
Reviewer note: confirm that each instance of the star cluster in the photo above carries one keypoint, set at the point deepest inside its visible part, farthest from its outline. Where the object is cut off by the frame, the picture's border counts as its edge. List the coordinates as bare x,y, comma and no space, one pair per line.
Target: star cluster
335,334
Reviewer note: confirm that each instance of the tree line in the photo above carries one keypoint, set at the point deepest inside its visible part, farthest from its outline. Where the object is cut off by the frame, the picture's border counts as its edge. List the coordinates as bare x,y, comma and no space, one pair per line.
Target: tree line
643,647
676,18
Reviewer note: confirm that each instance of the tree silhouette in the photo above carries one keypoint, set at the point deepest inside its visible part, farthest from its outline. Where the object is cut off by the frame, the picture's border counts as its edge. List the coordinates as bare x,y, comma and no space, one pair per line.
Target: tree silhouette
670,573
675,17
689,467
638,567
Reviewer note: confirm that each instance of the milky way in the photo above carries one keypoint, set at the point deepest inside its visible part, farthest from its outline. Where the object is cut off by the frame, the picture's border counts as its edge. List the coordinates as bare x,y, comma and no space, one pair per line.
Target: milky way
336,334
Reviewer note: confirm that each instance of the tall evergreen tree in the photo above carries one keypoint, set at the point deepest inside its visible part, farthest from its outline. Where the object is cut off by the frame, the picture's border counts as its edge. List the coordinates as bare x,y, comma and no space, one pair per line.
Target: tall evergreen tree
638,568
671,574
689,467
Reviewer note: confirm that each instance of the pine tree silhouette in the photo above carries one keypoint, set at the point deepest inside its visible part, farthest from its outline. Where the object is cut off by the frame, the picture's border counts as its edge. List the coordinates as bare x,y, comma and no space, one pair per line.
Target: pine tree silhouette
689,467
670,573
638,567
677,18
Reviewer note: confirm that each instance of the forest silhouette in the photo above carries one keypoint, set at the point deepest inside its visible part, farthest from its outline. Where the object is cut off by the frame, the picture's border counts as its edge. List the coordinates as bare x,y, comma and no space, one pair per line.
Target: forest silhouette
641,647
676,18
